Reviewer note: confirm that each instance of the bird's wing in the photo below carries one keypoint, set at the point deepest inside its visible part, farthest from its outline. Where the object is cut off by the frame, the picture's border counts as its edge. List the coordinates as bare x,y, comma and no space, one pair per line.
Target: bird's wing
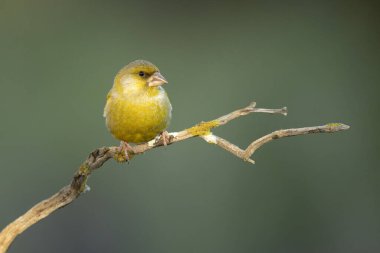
106,108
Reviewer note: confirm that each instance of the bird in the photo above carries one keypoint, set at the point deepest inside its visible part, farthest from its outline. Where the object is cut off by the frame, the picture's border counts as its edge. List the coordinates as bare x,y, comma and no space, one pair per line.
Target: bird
137,107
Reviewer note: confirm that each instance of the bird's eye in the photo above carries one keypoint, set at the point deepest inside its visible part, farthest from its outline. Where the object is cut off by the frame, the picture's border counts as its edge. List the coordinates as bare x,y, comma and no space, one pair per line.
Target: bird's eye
141,73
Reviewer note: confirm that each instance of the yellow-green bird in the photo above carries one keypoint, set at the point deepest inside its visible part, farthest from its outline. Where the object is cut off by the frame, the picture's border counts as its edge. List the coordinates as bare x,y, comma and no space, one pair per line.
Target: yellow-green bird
138,108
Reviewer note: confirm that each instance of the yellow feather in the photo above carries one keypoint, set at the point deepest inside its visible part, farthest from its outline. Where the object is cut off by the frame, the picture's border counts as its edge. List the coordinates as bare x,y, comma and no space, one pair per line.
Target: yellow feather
134,111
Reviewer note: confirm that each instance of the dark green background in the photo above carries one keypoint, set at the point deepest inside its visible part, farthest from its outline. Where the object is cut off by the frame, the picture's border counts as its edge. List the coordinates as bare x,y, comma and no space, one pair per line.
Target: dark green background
316,193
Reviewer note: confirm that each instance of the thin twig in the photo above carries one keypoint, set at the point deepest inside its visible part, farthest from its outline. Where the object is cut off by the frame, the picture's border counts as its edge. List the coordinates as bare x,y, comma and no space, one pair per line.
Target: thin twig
99,156
328,128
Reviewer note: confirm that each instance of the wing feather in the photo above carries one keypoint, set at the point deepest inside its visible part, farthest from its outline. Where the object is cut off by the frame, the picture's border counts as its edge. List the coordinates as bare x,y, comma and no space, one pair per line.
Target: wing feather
106,108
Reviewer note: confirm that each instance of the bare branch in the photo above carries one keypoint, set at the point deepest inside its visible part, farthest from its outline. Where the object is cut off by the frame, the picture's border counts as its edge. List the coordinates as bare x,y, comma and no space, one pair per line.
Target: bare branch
328,128
99,156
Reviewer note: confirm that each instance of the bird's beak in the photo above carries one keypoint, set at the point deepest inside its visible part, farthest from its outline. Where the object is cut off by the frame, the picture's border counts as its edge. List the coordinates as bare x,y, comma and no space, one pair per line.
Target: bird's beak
156,80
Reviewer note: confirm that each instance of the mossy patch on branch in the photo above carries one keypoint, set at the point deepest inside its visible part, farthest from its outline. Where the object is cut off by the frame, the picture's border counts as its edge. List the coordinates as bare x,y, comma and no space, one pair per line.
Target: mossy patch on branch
202,128
334,124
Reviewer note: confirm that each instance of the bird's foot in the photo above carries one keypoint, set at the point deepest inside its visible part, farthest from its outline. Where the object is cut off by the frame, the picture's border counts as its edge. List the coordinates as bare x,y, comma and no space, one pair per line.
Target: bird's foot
166,138
124,152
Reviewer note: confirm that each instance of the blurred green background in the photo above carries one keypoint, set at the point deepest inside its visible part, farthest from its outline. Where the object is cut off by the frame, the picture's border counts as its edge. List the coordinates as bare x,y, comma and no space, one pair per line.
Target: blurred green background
316,193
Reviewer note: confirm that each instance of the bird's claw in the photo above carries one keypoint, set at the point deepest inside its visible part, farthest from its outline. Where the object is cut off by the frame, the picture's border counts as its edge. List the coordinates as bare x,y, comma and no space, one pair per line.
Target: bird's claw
124,152
165,137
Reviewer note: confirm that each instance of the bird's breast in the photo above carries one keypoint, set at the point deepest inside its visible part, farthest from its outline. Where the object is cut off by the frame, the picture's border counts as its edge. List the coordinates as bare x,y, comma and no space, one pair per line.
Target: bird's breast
137,118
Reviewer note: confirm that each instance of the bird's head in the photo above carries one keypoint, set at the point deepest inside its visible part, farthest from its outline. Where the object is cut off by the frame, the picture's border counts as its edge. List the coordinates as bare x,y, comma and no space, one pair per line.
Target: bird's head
140,74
